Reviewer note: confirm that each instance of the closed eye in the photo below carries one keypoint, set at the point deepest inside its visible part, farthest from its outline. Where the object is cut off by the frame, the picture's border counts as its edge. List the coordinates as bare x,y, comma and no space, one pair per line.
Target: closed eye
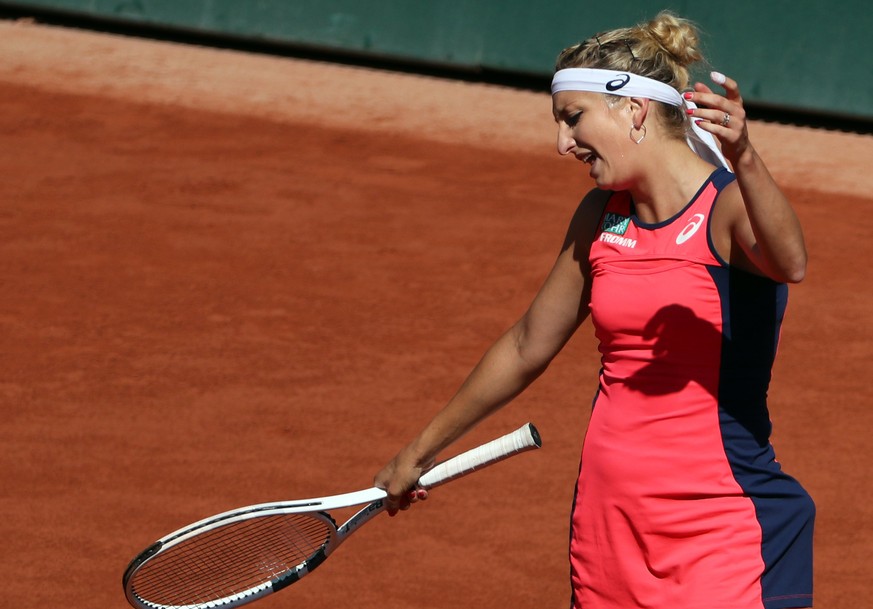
573,119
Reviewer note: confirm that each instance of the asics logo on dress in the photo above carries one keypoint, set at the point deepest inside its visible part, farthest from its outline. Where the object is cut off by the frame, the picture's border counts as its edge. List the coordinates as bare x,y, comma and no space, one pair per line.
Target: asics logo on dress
688,232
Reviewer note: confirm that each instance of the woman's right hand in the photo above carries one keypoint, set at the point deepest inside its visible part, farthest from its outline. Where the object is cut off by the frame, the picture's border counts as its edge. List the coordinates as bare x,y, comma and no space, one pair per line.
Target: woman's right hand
399,478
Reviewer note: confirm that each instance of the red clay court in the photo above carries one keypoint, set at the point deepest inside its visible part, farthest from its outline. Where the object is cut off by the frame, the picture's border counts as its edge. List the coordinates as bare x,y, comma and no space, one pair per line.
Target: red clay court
230,278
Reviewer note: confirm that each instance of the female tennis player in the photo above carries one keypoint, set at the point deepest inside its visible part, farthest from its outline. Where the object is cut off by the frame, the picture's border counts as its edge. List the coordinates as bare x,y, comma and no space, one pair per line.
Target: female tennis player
682,261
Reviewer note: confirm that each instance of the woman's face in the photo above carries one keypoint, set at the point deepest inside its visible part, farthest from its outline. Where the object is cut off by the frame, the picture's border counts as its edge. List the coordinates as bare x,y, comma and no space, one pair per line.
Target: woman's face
595,131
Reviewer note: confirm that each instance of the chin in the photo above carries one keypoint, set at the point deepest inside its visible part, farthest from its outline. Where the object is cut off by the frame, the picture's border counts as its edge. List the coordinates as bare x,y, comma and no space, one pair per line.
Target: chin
606,183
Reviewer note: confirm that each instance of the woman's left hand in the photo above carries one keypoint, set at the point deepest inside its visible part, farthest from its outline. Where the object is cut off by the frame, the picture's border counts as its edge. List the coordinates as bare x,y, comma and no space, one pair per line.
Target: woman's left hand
722,115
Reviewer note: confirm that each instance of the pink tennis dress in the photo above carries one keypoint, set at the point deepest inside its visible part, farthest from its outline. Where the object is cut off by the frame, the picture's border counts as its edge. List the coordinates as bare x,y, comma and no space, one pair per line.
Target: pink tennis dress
680,503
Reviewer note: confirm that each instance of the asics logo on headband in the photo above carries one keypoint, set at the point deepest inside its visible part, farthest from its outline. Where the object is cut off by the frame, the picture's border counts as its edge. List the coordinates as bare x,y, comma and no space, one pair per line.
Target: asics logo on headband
618,83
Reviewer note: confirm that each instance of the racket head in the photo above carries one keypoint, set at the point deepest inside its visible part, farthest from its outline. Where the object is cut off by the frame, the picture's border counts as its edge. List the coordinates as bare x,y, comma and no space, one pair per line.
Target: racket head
229,560
239,556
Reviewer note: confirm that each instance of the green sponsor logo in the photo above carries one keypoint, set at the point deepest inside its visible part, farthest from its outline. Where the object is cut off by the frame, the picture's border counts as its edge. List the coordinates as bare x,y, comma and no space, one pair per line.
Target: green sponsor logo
613,223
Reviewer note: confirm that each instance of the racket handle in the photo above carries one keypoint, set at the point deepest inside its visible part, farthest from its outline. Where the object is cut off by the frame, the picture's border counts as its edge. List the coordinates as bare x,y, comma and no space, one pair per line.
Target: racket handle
523,439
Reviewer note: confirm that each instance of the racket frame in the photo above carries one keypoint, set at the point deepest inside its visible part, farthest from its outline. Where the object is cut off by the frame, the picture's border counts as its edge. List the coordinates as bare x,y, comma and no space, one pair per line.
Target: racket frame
523,439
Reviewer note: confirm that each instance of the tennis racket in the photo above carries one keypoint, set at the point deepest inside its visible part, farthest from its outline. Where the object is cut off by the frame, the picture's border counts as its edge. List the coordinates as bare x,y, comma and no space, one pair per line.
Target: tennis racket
239,556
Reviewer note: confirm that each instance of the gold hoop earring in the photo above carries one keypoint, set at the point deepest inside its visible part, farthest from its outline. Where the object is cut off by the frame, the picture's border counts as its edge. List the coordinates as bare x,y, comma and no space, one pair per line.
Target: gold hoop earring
642,137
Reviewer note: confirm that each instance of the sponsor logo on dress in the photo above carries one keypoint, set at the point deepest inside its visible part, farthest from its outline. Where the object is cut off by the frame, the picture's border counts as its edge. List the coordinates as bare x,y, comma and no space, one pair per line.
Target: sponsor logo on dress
688,232
614,223
618,240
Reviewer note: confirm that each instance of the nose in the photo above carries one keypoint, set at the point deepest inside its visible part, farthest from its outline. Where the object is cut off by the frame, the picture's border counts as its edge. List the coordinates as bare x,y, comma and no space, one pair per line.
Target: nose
566,143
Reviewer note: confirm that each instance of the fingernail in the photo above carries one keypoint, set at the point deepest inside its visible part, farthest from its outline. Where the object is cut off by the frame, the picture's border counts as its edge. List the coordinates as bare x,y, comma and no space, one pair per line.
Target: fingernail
689,111
688,95
717,77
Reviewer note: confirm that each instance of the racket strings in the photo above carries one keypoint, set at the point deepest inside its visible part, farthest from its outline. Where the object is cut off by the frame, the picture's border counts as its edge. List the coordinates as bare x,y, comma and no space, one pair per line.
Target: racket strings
234,559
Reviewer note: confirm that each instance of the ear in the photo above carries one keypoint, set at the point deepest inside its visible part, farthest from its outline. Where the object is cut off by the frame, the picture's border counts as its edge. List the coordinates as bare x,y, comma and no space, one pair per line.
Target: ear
639,109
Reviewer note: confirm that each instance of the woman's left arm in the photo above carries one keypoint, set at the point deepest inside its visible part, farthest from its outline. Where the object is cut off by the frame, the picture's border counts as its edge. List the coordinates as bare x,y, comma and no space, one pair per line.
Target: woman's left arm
769,231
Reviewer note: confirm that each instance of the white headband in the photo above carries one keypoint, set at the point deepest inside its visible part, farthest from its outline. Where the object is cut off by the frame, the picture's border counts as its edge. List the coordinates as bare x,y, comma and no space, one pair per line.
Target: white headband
633,85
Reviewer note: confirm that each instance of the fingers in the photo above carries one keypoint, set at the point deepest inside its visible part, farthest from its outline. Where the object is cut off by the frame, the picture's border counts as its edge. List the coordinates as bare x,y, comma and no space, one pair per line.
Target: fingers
721,115
704,96
730,86
719,122
405,501
415,495
399,480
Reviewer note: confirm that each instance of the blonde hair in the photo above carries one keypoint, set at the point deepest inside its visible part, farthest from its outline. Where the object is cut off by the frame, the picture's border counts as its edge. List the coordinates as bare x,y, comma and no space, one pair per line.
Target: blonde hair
662,49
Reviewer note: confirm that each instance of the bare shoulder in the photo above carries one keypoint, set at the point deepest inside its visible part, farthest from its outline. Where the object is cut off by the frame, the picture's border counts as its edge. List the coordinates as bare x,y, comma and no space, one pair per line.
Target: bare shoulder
562,302
583,225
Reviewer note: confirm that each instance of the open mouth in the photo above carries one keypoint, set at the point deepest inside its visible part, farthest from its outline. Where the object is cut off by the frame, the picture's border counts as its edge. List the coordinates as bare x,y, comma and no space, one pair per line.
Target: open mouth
588,157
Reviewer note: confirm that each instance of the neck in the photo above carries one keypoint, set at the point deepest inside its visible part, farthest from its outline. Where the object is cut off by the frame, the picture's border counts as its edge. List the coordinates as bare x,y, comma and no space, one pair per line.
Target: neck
672,175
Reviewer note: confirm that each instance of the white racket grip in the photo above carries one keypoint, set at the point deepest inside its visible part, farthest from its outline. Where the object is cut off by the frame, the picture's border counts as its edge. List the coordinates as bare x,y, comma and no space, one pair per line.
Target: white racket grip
523,439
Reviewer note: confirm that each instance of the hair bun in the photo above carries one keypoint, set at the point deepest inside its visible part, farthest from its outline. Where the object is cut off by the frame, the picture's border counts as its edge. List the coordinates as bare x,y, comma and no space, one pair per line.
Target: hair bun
677,36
